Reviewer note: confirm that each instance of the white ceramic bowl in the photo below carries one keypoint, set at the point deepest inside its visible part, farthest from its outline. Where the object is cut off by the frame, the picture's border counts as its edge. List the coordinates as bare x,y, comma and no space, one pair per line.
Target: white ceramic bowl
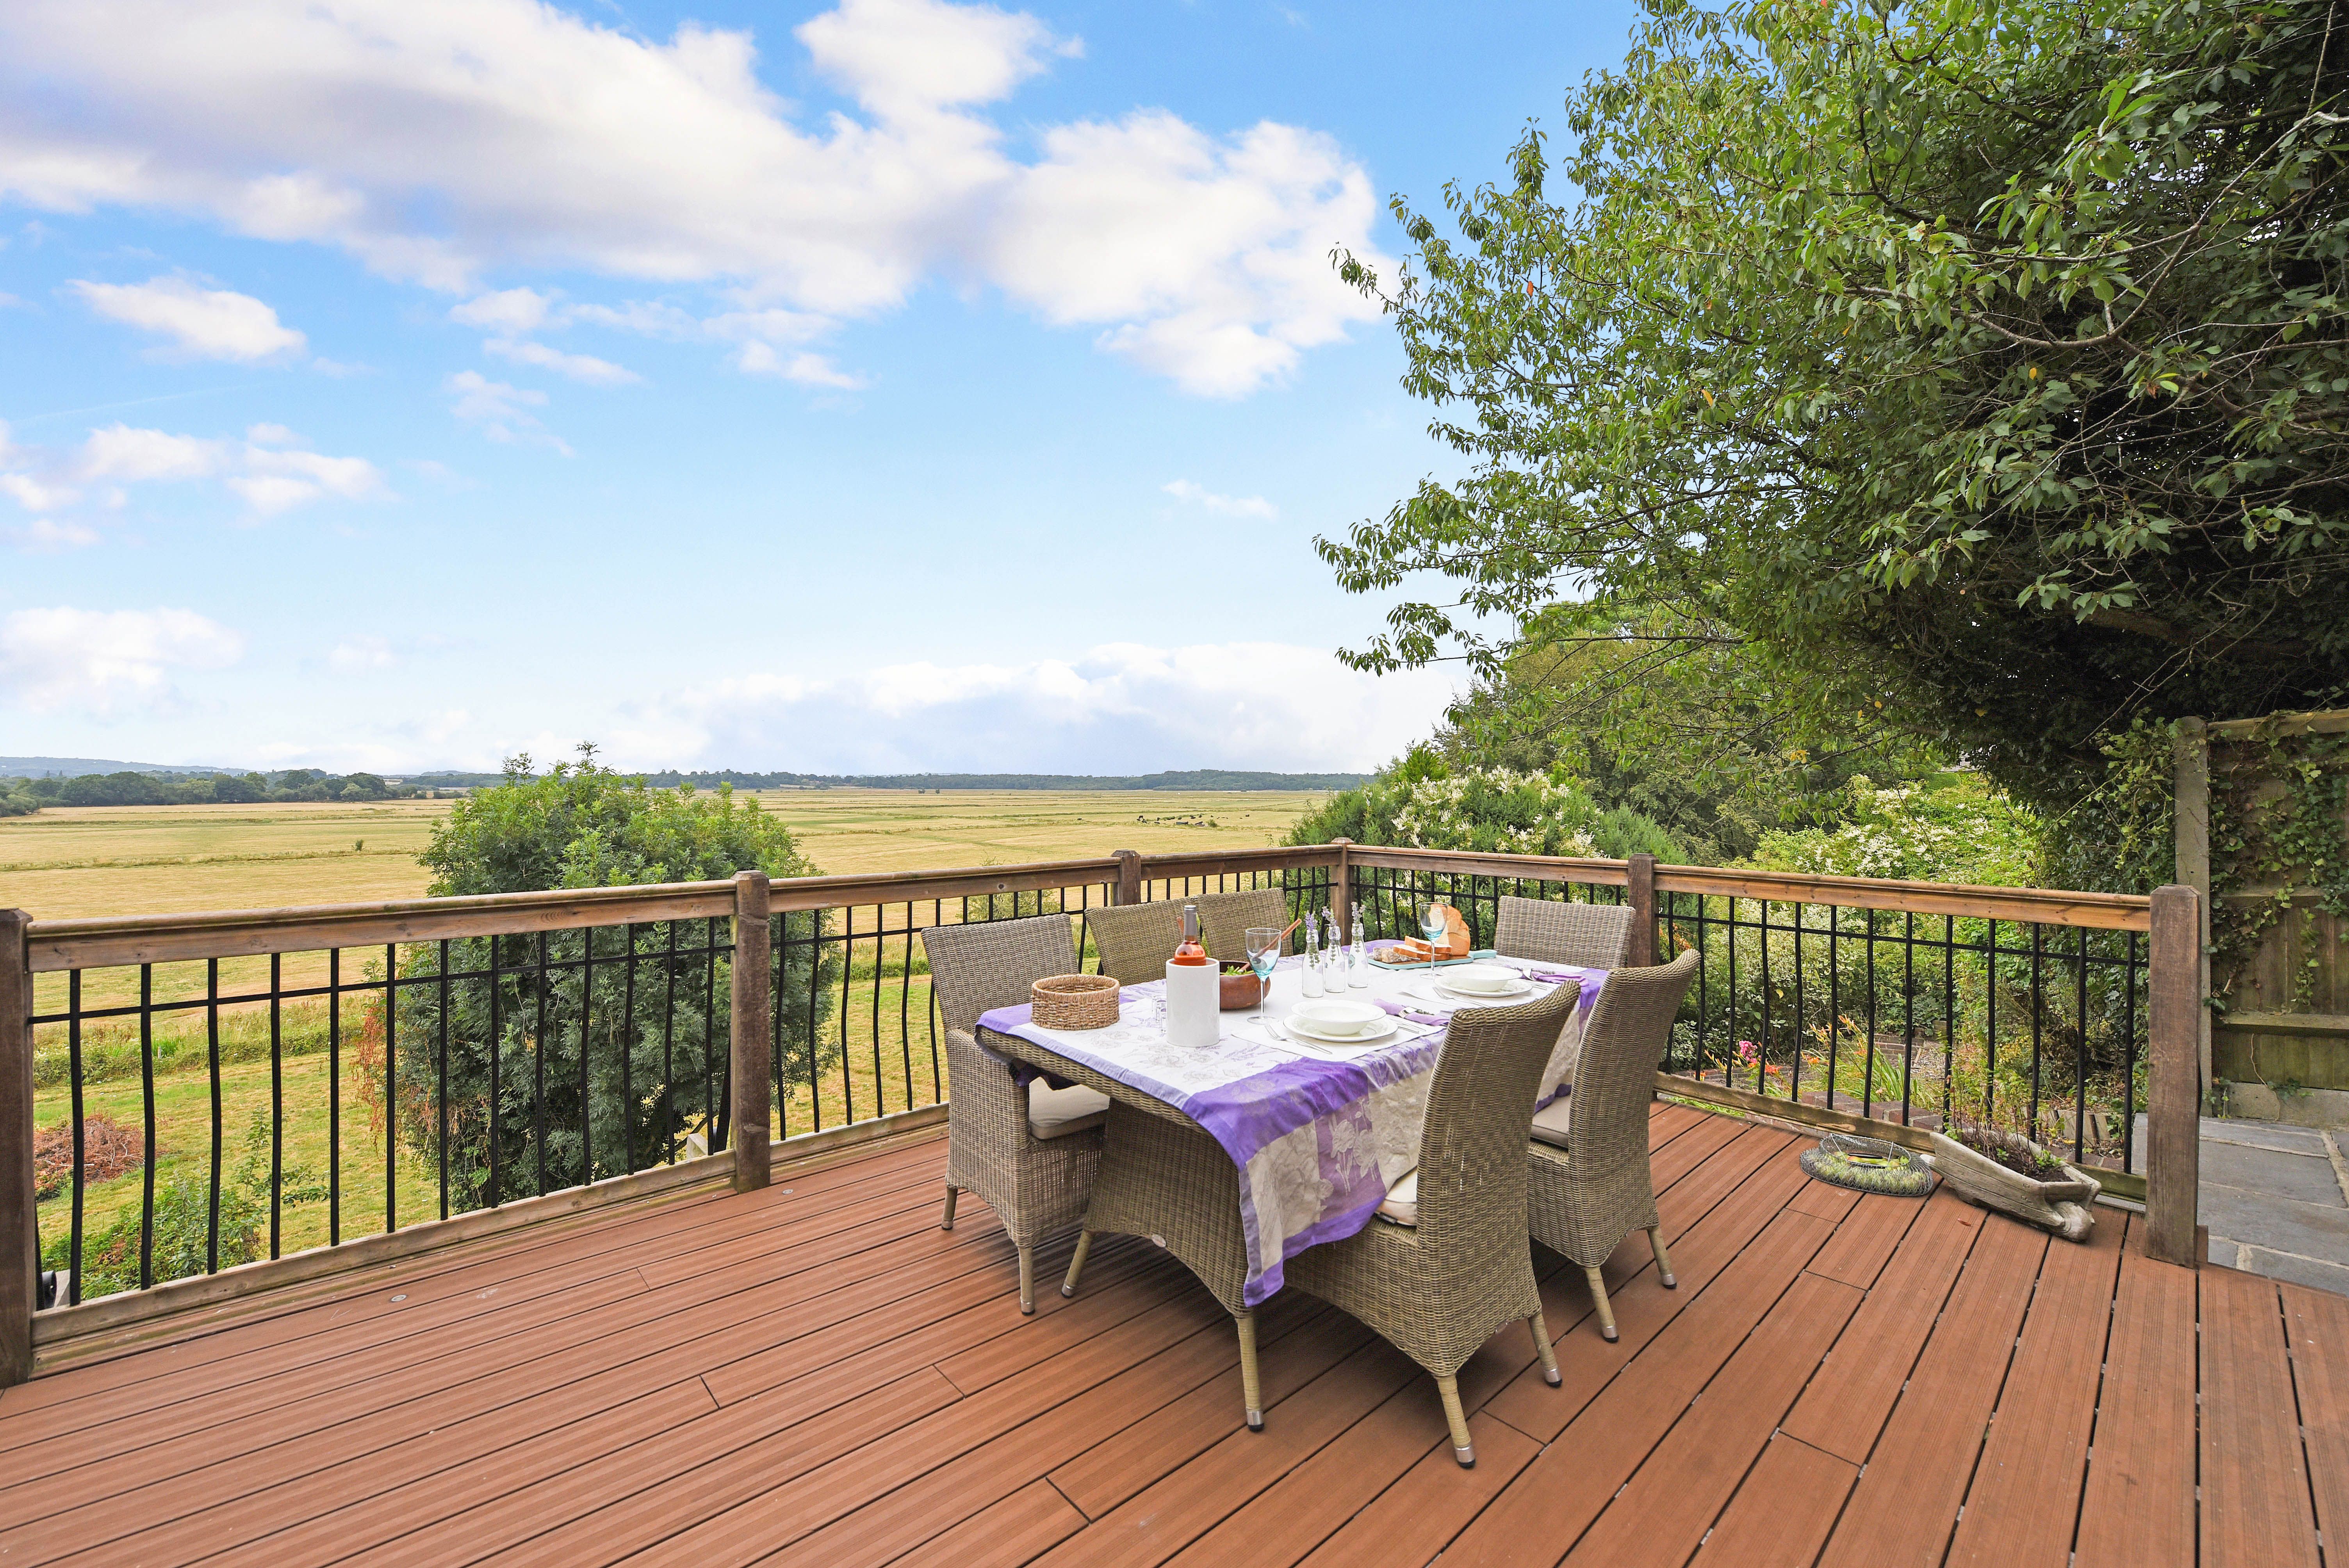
1340,1017
1480,977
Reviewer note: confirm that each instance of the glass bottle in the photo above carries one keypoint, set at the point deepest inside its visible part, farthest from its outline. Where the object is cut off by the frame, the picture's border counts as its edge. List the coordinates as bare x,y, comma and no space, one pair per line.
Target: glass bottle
1357,961
1310,970
1189,951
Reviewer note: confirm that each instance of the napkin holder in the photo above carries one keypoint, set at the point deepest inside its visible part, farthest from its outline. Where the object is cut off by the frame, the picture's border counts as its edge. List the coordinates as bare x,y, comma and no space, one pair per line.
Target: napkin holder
1193,1005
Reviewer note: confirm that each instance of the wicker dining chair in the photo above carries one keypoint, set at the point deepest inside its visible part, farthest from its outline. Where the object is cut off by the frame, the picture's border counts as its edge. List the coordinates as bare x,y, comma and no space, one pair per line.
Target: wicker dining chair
1134,940
1588,1181
1029,1152
1225,919
1445,1265
1588,935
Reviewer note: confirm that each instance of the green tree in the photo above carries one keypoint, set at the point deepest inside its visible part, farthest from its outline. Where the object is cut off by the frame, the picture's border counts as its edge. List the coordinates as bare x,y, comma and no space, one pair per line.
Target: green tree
651,1037
1960,376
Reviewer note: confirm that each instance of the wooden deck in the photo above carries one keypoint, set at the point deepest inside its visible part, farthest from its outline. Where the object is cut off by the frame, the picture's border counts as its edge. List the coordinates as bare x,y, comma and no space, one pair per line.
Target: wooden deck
816,1374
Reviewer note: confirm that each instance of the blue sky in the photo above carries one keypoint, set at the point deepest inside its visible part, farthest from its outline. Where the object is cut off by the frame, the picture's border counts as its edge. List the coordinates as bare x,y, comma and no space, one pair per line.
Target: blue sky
887,385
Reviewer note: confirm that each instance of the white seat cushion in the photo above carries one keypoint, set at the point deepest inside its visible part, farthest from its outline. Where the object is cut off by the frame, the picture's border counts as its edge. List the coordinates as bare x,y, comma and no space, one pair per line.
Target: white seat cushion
1401,1205
1549,1122
1057,1112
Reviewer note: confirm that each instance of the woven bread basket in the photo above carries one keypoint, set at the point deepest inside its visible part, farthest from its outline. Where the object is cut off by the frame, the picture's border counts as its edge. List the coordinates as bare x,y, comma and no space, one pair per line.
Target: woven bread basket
1074,1001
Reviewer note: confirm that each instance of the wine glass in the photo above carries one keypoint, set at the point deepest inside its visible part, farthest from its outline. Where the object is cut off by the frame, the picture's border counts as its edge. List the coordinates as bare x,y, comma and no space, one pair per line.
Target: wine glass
1433,924
1264,954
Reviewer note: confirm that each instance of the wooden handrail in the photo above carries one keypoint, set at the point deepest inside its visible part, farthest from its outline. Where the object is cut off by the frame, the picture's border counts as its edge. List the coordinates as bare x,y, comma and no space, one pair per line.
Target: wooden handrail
90,943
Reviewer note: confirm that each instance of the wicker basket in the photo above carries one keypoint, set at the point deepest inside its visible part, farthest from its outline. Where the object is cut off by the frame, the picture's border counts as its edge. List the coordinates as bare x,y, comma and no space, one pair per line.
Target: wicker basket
1074,1001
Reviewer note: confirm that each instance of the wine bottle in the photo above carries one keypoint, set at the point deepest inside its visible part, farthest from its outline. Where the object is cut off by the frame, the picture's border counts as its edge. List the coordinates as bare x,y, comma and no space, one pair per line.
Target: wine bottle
1188,951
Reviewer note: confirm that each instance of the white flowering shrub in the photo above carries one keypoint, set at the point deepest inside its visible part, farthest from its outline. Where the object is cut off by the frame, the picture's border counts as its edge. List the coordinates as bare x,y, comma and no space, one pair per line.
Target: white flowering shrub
1961,831
1495,810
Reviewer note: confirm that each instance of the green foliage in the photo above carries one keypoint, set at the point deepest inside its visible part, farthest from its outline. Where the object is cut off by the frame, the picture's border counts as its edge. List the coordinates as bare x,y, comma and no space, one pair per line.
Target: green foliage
1957,829
1423,802
2278,800
1961,376
183,1235
653,1030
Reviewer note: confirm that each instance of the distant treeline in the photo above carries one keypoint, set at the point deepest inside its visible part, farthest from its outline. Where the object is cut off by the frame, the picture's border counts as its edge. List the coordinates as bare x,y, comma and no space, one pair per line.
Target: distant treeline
1195,779
20,797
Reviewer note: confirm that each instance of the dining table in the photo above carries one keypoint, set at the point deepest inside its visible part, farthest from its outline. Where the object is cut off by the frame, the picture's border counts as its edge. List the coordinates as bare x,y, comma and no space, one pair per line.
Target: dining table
1238,1155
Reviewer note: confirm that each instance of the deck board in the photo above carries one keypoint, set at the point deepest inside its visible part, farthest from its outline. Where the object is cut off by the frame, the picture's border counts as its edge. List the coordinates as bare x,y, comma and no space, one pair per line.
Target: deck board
815,1374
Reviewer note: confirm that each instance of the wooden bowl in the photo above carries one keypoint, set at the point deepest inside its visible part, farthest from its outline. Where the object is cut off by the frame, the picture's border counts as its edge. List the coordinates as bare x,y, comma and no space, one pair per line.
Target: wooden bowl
1239,988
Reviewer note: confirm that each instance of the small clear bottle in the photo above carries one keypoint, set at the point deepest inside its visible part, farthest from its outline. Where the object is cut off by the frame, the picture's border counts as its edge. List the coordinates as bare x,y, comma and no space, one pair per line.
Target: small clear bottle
1357,957
1310,971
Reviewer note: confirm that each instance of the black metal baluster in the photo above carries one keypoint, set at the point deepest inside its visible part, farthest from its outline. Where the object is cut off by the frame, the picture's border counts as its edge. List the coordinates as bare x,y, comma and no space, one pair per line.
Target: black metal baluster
211,1054
81,1163
905,1005
2080,1057
1948,1013
586,1038
847,978
1795,1071
335,1096
2038,1019
147,1094
2128,1056
1835,999
1762,1039
1868,1088
440,1075
779,937
937,1084
1908,1010
880,943
713,1119
538,1072
276,1102
497,1055
1989,1027
627,1052
390,1088
669,1045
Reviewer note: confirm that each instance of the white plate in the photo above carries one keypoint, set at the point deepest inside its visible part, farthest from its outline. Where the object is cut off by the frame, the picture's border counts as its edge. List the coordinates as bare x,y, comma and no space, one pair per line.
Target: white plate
1297,1027
1518,988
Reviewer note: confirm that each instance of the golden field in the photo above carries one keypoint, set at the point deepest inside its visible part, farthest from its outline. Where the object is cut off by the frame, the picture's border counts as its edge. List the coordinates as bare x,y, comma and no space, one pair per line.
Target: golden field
153,860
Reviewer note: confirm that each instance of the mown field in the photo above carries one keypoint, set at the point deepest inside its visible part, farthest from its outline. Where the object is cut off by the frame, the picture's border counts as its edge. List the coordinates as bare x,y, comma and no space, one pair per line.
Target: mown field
154,860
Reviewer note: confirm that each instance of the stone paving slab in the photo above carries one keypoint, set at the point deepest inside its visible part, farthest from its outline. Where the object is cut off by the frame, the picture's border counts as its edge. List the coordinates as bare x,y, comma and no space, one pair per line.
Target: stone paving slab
2303,1177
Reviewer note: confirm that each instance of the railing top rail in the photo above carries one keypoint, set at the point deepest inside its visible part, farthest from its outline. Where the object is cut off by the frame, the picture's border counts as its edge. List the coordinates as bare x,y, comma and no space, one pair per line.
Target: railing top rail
2039,906
83,943
1470,863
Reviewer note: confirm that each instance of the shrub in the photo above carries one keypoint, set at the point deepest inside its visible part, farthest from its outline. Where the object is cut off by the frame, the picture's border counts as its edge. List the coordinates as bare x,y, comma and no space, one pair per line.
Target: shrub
655,1052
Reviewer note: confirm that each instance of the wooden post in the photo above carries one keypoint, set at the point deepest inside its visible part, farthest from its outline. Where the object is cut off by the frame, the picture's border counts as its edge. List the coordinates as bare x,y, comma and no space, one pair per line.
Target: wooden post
1129,876
2174,1101
1640,894
1341,889
753,1001
20,1248
2191,794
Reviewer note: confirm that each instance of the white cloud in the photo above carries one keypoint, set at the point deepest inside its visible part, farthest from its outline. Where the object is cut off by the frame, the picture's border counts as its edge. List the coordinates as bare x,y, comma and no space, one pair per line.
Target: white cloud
1230,506
35,496
353,655
129,454
205,324
45,536
1207,262
271,471
501,409
1114,709
756,358
578,366
95,660
510,311
437,139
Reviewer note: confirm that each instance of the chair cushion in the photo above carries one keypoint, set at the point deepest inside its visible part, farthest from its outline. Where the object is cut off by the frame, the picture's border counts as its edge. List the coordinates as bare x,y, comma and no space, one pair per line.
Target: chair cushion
1550,1121
1057,1112
1401,1205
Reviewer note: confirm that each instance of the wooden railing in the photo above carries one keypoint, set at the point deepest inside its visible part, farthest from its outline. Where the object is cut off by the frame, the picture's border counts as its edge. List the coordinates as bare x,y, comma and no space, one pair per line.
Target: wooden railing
813,1057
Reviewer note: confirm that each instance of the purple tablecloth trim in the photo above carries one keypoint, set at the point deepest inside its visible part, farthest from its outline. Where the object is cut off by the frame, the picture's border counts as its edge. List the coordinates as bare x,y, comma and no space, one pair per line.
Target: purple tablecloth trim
1245,1115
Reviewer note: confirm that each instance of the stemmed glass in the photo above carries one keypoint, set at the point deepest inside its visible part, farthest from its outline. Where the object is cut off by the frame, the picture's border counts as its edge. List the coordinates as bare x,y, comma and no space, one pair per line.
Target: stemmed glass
1263,955
1433,924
